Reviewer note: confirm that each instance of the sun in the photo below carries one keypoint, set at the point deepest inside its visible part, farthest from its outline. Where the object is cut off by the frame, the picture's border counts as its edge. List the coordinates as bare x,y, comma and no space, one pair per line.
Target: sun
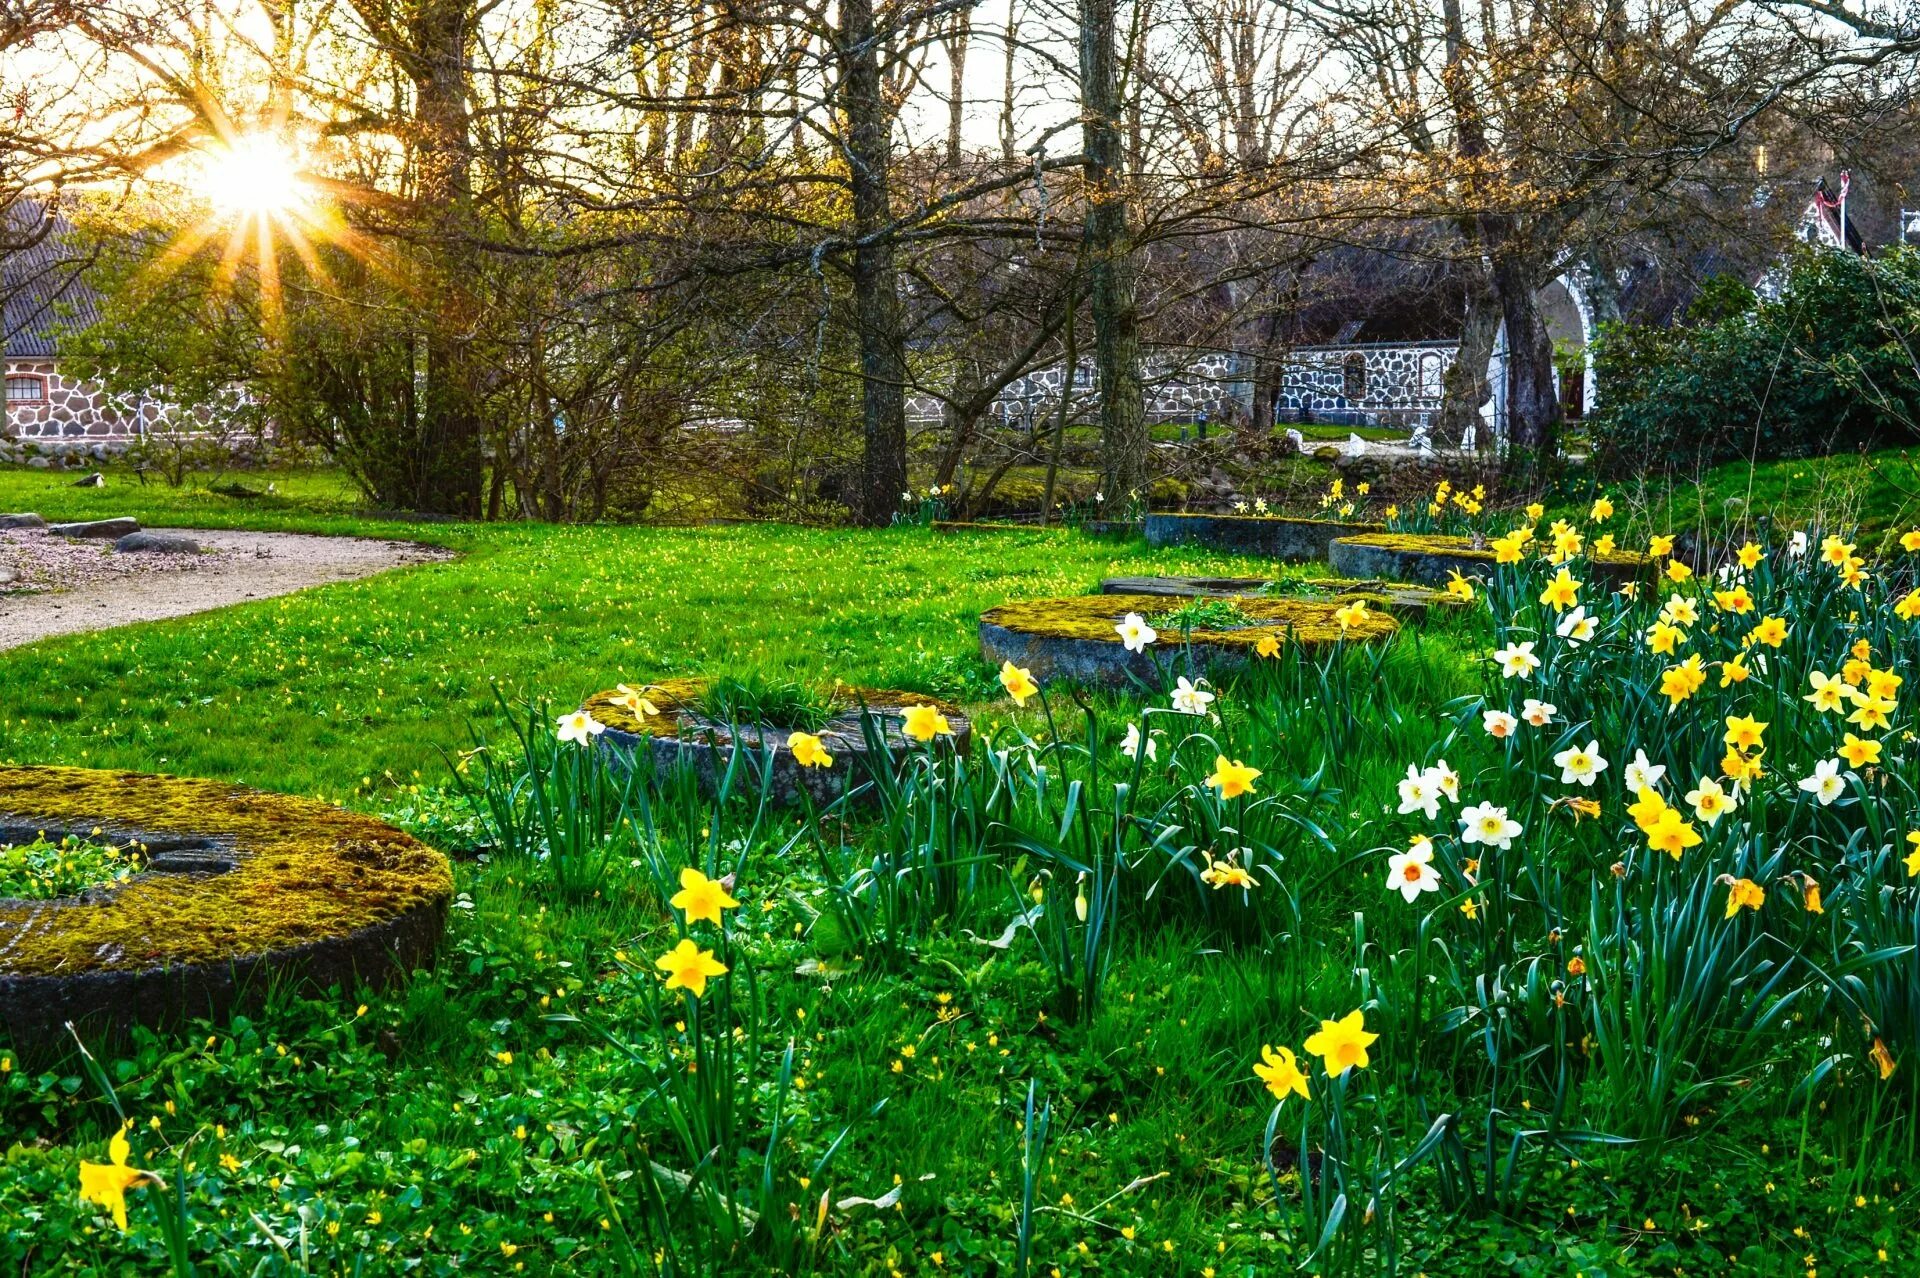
255,175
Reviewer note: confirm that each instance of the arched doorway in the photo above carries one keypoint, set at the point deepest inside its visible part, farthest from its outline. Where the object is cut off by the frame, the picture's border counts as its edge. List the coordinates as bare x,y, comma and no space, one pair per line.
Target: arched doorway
1568,319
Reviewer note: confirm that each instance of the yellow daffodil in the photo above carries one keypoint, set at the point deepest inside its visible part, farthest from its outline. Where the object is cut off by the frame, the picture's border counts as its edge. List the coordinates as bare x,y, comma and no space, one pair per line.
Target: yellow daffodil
1647,808
1232,778
1660,544
1836,552
1535,511
1859,753
1342,1045
689,967
1562,592
1912,859
1602,509
701,898
1281,1074
1829,695
1772,631
1883,1061
1672,833
1737,600
1018,681
1663,637
1458,587
1507,549
1749,555
1744,893
107,1183
1603,545
1870,713
1268,645
924,723
809,751
1744,732
1810,895
1677,683
1677,571
1734,670
1352,614
1909,606
1910,540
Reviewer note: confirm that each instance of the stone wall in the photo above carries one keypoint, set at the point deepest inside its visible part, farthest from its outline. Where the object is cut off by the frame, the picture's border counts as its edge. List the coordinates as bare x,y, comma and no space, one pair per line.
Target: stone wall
1361,383
1177,389
76,410
1366,383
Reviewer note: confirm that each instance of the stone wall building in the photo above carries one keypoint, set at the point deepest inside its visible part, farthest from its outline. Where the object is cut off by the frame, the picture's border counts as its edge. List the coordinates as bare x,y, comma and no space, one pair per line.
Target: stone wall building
44,294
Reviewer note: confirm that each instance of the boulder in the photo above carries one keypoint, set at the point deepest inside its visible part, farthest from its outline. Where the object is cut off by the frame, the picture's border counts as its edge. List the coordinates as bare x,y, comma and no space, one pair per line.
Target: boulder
95,480
156,542
108,529
22,520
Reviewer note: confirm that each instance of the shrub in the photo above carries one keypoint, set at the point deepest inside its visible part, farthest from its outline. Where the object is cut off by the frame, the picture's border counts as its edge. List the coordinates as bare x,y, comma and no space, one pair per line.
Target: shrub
1823,366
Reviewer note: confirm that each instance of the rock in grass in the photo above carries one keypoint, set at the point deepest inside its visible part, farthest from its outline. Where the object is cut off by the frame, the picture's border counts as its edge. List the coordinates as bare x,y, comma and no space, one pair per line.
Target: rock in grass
157,543
95,480
22,520
106,529
7,577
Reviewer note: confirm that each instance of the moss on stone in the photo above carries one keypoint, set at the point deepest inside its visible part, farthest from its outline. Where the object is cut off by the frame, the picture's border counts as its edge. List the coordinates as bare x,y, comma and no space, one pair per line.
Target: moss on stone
1463,548
1306,621
1267,519
679,702
302,871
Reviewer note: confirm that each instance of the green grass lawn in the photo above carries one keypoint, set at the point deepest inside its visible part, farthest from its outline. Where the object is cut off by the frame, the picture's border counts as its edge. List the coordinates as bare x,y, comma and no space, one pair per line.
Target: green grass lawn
358,687
505,1112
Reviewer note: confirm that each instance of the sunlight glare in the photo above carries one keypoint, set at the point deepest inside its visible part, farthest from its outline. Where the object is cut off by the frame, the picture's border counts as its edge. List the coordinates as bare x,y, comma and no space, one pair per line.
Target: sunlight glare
255,175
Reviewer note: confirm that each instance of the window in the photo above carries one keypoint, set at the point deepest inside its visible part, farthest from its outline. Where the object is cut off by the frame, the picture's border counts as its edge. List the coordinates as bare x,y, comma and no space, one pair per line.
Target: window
26,390
1432,376
1353,376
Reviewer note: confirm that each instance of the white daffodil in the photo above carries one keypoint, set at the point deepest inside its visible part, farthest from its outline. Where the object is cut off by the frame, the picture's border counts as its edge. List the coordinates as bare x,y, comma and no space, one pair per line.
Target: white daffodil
1445,779
1797,544
1417,795
1135,633
1577,627
1517,660
1130,744
1538,713
1643,773
1411,872
1485,823
1580,766
579,727
1826,784
1498,723
1189,698
1711,802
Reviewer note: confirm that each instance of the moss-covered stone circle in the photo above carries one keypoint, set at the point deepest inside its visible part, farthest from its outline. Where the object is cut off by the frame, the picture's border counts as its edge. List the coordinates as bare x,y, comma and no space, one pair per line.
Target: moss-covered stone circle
1430,559
242,889
682,733
1275,536
1076,638
1403,601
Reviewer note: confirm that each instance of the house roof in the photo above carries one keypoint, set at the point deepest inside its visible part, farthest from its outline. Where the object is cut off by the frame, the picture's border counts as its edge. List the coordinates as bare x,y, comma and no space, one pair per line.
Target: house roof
42,289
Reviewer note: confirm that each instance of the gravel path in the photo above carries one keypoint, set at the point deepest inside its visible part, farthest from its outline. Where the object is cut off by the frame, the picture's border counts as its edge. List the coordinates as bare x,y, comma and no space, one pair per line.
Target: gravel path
63,587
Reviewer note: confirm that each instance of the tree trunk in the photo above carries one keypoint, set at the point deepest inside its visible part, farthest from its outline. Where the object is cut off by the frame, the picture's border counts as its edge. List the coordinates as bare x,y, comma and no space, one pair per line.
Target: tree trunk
449,465
876,298
1466,390
1533,389
1109,256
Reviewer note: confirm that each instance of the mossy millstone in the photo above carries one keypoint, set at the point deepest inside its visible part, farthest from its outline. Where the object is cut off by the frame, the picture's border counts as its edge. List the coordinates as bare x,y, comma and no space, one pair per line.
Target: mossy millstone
682,732
1405,602
1076,639
1431,559
243,889
1272,535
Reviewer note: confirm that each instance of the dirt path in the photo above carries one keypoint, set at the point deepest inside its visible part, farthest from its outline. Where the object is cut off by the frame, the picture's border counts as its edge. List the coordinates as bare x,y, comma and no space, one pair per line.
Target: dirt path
63,587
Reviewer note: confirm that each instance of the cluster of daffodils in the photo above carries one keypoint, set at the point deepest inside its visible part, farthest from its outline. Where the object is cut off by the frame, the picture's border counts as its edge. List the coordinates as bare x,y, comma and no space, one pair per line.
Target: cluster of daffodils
700,900
1340,1046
